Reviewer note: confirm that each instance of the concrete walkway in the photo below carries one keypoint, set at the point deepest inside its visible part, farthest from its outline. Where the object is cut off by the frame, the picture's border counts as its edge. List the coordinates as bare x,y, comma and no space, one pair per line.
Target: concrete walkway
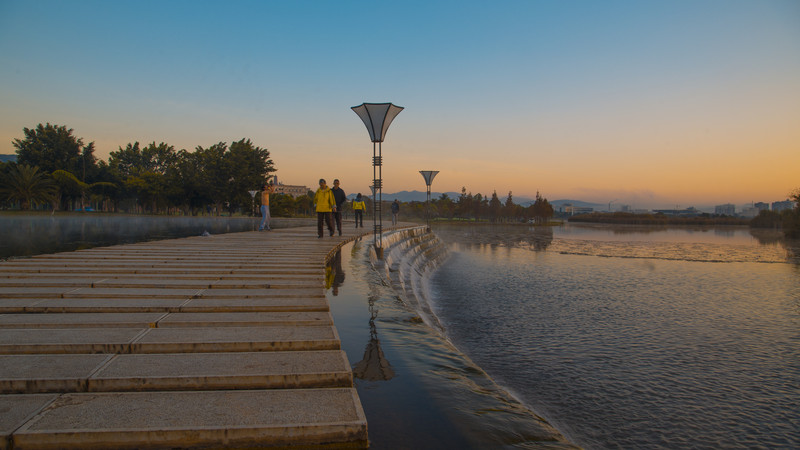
215,341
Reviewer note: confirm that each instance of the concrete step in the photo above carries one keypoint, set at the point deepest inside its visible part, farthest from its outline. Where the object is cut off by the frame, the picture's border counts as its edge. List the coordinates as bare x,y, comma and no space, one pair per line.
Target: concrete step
157,283
15,341
153,320
35,374
154,274
257,418
160,304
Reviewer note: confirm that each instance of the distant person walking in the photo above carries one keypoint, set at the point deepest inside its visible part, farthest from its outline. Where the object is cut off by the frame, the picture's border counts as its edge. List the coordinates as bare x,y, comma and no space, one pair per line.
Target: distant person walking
358,210
340,197
325,205
395,211
265,217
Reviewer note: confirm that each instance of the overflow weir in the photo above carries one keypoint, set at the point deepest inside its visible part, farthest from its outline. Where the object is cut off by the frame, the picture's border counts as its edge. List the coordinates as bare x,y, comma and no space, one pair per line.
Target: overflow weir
208,341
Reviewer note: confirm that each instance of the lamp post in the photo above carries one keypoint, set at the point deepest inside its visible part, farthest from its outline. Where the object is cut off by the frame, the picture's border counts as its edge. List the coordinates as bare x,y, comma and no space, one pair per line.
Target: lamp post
428,175
377,117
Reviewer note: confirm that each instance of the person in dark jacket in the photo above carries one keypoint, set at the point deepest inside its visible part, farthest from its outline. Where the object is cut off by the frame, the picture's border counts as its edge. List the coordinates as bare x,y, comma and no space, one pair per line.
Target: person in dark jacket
340,197
395,211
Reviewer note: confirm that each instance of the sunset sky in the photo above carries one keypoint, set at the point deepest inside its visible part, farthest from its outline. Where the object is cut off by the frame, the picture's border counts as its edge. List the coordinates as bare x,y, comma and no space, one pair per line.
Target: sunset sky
645,103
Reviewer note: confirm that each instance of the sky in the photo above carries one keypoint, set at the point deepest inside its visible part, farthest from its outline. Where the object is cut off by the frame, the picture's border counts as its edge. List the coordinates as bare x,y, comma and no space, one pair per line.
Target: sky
651,104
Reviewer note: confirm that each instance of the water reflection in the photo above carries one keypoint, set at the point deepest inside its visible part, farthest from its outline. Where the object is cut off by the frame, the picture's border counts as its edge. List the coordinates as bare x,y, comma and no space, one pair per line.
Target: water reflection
727,244
373,366
334,273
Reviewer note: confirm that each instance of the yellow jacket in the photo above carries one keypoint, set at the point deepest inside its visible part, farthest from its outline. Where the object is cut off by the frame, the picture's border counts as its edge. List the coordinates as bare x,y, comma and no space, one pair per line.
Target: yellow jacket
323,198
359,205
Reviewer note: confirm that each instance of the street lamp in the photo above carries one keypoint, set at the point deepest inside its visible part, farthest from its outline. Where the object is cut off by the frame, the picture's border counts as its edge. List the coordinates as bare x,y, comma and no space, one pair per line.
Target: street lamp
429,175
377,117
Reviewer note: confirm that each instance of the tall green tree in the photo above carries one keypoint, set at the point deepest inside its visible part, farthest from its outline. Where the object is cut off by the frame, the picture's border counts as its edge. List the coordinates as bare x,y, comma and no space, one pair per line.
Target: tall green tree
791,219
214,175
495,207
54,147
27,184
144,172
542,209
248,167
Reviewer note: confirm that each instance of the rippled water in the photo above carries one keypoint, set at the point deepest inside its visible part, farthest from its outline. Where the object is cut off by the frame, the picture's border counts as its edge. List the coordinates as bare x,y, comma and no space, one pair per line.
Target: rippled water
632,338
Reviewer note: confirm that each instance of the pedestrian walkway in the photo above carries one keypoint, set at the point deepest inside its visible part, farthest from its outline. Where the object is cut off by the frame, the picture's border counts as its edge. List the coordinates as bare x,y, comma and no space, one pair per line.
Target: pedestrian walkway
208,341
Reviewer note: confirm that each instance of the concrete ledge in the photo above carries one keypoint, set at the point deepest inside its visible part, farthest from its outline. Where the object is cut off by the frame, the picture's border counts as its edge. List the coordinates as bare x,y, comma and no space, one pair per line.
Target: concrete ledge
214,371
15,341
218,418
79,320
18,341
246,319
34,374
15,410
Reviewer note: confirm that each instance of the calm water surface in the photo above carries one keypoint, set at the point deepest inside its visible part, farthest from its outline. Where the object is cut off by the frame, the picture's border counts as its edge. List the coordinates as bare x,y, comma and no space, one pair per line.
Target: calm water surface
630,337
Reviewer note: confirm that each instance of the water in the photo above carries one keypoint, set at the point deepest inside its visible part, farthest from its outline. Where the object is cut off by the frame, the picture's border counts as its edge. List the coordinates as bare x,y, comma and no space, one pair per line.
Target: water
630,337
418,391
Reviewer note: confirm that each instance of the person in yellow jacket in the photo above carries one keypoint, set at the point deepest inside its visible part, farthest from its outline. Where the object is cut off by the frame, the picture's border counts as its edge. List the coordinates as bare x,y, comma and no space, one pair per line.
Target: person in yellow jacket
358,210
325,205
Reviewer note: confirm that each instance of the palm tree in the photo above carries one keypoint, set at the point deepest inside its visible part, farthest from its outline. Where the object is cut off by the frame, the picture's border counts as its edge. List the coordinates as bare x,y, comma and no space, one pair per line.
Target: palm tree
27,184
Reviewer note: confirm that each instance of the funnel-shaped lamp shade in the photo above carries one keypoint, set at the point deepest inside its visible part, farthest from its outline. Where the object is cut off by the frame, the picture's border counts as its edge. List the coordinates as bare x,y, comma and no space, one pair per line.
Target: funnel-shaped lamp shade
428,175
377,117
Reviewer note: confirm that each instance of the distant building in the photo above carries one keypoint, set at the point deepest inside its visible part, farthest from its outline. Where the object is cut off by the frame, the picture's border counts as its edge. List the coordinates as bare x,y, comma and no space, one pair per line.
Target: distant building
784,205
290,189
572,210
688,212
761,206
8,158
749,212
727,209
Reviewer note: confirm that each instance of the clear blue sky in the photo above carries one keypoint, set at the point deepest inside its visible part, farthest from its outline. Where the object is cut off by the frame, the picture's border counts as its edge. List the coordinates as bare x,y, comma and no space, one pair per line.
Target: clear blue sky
654,103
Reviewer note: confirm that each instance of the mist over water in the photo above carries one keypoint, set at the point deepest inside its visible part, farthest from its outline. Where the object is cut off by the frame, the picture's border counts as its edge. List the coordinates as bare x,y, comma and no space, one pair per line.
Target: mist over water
33,234
624,337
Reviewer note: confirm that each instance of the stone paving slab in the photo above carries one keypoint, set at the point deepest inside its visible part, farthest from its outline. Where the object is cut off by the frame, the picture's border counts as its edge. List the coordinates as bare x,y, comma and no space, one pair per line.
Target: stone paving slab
217,419
211,275
78,320
167,340
36,374
34,292
301,292
246,319
173,371
15,410
131,293
16,305
236,304
212,371
106,305
67,340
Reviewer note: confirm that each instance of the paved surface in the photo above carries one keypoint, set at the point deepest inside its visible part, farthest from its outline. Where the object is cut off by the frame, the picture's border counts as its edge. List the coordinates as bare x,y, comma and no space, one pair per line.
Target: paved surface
215,341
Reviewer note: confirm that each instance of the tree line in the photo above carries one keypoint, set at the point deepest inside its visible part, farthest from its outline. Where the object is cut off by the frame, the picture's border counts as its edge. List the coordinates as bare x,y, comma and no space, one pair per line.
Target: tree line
482,208
56,170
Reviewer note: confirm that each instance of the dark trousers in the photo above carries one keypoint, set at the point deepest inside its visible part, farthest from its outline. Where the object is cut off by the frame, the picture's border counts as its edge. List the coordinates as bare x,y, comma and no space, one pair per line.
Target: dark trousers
326,217
359,217
337,217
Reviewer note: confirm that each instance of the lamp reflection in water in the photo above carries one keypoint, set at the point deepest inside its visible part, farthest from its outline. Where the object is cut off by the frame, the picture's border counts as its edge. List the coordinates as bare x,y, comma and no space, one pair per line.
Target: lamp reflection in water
373,366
